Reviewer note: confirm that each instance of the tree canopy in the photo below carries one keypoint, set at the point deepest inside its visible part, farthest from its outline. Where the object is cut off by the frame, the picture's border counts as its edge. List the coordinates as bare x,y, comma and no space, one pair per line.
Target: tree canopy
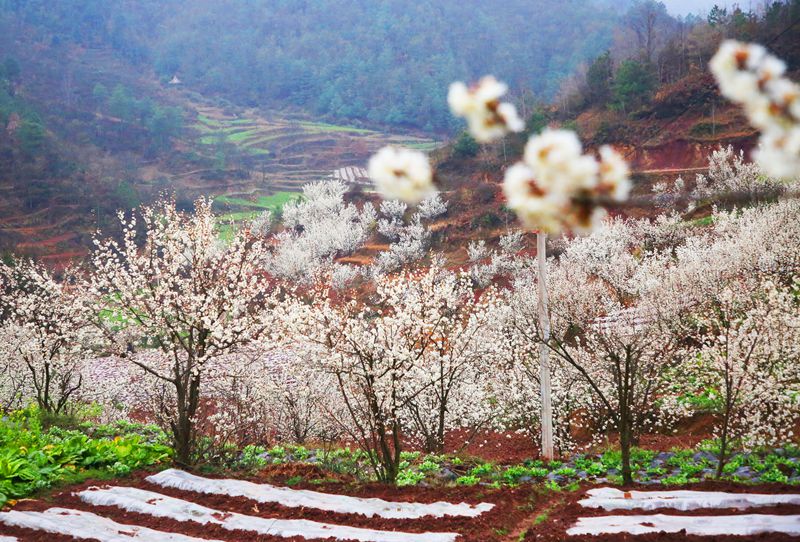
387,62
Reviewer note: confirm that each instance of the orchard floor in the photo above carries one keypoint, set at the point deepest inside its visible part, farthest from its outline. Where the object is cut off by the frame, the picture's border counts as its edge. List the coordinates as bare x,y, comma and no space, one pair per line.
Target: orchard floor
527,512
561,512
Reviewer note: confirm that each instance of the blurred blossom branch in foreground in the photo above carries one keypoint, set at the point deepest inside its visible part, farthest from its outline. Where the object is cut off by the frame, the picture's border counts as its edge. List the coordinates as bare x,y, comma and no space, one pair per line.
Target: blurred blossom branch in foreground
749,76
556,187
487,117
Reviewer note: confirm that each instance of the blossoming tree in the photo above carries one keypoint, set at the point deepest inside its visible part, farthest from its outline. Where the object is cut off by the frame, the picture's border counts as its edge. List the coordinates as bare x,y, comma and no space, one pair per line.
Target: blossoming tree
46,335
750,334
179,300
407,362
617,331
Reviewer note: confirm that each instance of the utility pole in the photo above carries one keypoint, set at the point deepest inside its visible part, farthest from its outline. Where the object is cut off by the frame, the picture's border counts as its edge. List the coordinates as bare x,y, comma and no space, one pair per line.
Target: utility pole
544,360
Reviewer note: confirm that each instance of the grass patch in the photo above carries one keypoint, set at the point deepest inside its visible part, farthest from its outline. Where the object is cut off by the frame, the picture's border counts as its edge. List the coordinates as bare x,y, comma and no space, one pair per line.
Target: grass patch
424,146
237,216
702,222
228,223
272,202
208,121
237,137
320,127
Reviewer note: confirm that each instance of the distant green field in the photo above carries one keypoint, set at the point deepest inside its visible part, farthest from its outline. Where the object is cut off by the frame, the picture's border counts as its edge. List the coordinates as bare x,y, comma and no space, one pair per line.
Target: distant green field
208,121
247,210
327,127
272,202
425,146
236,137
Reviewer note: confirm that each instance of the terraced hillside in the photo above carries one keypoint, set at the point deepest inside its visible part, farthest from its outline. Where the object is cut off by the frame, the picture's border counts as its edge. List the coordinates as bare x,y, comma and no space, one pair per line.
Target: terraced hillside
283,153
261,158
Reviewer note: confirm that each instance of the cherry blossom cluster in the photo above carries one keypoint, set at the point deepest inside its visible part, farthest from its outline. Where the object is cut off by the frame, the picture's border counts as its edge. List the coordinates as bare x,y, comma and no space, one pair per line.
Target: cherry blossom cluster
409,236
748,75
318,227
557,187
487,117
402,174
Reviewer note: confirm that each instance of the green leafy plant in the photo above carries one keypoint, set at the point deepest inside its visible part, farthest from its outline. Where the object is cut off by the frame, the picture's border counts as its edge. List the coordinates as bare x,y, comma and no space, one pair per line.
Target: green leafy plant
409,477
483,469
33,458
429,466
469,480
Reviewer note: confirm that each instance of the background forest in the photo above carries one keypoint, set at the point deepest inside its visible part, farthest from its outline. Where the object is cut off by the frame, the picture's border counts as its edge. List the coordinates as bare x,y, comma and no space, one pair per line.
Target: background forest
383,62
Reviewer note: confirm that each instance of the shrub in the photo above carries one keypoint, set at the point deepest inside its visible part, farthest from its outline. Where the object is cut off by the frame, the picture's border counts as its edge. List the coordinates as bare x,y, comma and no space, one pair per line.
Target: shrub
465,146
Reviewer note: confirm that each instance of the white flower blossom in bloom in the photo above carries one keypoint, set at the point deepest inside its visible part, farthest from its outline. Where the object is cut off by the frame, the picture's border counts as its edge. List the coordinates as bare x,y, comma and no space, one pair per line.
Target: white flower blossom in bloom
402,174
488,118
431,207
778,152
558,187
502,260
410,237
733,67
754,79
536,208
47,338
319,226
750,355
555,158
261,224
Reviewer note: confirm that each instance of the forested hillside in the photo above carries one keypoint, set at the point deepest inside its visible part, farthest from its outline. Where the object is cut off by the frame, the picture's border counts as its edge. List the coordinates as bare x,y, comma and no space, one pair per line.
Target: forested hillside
384,62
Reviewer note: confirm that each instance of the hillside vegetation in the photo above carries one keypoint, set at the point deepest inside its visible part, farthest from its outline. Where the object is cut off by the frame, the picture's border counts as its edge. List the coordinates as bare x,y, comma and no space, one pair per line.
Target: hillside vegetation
387,62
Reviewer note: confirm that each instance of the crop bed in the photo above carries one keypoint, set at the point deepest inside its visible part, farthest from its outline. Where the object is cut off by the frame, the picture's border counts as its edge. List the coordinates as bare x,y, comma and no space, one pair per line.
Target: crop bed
326,510
709,511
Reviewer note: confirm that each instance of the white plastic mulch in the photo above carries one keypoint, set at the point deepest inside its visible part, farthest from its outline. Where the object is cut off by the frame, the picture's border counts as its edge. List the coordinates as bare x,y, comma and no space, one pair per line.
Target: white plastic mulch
86,525
285,496
155,504
742,525
614,499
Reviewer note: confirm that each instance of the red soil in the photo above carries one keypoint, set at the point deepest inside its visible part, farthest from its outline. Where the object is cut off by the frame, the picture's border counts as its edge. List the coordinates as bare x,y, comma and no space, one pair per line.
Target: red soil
49,242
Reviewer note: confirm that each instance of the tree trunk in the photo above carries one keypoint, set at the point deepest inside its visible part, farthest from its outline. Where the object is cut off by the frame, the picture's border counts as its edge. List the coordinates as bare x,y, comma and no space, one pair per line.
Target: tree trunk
726,422
183,428
625,446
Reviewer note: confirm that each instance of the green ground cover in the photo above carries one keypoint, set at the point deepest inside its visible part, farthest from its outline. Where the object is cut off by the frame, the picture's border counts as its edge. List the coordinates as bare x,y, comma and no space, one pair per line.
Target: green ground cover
244,210
675,467
424,146
34,456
